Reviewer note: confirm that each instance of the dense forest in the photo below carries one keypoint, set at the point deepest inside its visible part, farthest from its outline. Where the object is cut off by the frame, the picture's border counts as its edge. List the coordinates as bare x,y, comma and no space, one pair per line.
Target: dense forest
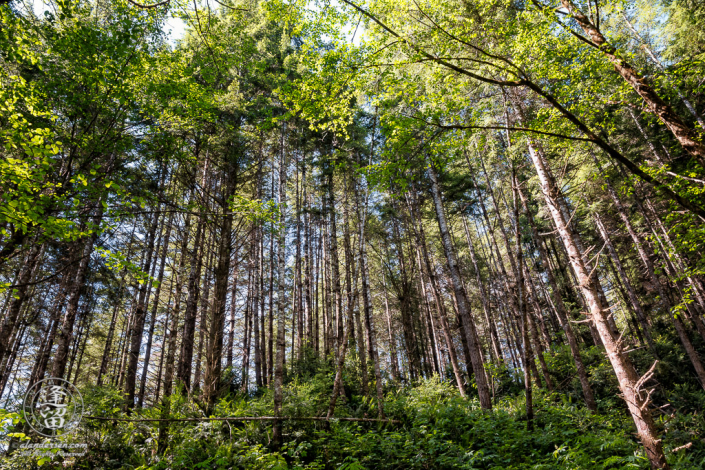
382,234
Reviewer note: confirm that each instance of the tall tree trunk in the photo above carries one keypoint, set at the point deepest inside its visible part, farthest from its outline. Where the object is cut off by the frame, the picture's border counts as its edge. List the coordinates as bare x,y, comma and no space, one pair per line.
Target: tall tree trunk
165,342
263,336
298,326
352,291
494,336
428,318
137,328
521,297
214,355
44,352
307,262
173,334
367,300
440,306
183,371
247,320
463,304
206,306
281,297
393,359
636,305
530,296
233,310
334,264
561,311
270,335
403,288
630,383
153,313
111,329
67,321
255,309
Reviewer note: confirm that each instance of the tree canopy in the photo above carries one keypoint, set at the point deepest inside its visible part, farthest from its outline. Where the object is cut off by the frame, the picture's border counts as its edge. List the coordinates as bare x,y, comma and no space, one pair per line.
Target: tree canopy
349,234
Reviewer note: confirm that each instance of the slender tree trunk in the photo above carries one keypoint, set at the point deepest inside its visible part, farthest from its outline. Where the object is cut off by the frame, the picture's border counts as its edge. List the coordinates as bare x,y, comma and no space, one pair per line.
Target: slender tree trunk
281,297
18,347
165,342
111,329
173,333
636,305
530,296
307,262
561,311
393,359
440,306
270,347
430,330
153,313
206,306
522,299
186,355
463,304
86,336
233,310
19,297
263,336
353,309
334,264
494,336
183,371
247,321
367,301
298,326
255,310
137,328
